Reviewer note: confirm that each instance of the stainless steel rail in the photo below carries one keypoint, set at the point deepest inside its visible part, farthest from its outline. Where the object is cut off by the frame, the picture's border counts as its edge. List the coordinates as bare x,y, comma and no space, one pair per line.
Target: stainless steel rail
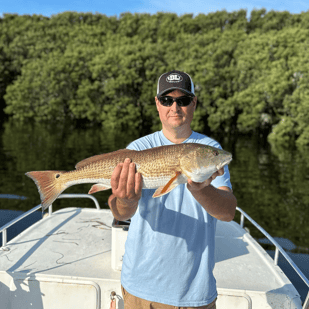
81,196
278,249
4,228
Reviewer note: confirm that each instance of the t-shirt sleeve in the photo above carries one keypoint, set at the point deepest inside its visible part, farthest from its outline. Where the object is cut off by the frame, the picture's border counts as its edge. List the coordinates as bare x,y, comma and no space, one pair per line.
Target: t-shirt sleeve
137,145
132,146
143,143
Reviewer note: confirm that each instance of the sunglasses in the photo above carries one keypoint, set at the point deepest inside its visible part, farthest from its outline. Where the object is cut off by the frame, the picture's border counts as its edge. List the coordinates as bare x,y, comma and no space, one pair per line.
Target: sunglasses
180,101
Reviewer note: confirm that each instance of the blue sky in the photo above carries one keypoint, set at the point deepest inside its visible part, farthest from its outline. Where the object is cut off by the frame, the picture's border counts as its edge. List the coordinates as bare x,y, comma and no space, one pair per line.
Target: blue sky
116,7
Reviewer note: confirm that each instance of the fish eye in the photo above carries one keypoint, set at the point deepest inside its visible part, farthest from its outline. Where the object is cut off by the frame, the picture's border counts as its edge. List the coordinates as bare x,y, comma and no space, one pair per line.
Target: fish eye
215,153
58,175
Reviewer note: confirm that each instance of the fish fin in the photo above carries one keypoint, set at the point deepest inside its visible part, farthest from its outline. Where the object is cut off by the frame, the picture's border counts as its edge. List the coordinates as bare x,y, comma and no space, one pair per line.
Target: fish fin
101,157
172,184
98,187
50,185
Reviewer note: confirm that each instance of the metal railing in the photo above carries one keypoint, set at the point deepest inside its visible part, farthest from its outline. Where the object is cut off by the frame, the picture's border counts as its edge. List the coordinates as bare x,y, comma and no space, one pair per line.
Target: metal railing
278,249
244,215
4,228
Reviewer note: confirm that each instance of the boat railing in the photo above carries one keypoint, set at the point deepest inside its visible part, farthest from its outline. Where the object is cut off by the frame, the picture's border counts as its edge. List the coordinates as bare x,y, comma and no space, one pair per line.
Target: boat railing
278,250
4,228
244,215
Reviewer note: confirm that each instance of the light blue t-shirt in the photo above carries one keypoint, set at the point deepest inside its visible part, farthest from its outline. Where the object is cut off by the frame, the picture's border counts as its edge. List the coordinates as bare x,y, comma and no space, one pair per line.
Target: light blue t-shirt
169,252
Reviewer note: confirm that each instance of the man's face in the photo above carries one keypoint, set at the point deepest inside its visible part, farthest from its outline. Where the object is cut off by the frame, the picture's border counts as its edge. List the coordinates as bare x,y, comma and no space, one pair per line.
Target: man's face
175,116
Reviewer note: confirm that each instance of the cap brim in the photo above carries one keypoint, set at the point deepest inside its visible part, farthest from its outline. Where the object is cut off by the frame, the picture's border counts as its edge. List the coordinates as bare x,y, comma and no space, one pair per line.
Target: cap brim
175,88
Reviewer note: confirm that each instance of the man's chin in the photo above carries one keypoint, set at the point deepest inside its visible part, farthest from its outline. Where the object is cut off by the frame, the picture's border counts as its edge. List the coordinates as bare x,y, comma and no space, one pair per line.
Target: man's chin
176,124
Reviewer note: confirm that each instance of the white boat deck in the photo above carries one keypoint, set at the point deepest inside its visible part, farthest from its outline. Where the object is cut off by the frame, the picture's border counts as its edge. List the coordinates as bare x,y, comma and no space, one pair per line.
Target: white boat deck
66,258
73,242
244,267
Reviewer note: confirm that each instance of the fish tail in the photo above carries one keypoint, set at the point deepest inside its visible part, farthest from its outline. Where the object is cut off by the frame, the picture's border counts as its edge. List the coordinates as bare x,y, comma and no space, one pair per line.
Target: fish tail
50,185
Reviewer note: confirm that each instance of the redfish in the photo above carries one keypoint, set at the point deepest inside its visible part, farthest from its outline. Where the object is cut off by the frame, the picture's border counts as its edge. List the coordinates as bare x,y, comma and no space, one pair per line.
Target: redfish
162,168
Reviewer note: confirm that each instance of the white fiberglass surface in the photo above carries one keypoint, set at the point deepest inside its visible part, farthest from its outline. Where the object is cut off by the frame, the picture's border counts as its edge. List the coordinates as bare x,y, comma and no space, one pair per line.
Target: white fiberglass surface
71,242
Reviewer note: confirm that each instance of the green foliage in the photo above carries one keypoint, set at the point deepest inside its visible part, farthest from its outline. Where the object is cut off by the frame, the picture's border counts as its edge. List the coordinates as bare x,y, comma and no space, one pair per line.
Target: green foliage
250,75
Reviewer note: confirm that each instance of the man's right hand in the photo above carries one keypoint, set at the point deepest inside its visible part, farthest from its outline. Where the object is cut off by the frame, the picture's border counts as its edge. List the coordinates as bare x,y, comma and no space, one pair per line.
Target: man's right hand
127,190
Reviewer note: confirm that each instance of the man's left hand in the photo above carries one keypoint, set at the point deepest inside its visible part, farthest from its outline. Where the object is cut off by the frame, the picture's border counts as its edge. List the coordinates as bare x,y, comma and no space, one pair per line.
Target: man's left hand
196,186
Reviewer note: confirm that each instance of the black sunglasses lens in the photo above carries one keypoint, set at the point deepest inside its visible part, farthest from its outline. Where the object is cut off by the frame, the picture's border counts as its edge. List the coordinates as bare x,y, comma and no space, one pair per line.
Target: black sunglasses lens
181,101
166,101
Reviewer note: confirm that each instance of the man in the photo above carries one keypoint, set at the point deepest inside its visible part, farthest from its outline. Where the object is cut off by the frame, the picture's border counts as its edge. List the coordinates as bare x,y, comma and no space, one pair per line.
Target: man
169,254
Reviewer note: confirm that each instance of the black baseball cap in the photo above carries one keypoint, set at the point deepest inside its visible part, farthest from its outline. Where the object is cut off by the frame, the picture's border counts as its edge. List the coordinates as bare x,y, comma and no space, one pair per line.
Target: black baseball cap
173,80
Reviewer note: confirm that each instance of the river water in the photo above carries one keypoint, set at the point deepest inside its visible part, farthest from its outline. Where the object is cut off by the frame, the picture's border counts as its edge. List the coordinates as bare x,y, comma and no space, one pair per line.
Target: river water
270,184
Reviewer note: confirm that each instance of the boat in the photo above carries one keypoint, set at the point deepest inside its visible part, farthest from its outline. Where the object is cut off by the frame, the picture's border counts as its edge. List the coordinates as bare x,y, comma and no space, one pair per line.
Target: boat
72,258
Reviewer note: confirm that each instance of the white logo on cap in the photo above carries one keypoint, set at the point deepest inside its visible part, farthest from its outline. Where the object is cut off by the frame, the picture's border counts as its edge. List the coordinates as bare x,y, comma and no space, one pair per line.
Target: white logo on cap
174,78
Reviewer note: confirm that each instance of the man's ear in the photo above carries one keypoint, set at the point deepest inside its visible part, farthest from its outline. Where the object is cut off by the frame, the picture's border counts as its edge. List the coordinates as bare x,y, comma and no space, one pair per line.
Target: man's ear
195,102
157,102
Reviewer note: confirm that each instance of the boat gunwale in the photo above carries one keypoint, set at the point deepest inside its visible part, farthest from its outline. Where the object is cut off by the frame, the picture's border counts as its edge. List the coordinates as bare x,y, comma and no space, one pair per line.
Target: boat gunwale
275,243
244,215
4,228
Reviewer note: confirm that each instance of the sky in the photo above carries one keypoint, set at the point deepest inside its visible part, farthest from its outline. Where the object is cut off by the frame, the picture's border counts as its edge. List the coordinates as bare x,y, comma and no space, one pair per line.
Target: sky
116,7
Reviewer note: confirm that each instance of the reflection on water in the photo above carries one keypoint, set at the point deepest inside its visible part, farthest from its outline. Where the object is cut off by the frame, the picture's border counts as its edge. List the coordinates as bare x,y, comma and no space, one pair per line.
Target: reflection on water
271,185
28,147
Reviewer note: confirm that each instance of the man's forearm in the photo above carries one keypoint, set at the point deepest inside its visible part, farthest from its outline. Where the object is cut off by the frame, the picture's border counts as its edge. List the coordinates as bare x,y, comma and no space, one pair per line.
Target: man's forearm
122,209
219,203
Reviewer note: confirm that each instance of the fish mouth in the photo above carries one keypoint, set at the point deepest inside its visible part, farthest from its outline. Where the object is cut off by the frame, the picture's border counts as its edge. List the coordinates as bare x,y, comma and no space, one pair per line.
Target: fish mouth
222,164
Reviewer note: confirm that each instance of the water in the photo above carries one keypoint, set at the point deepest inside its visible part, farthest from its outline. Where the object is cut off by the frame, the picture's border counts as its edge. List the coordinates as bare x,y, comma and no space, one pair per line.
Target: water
271,185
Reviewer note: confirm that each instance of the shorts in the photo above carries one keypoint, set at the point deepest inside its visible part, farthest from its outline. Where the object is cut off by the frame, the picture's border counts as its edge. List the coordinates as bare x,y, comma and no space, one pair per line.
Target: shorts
133,302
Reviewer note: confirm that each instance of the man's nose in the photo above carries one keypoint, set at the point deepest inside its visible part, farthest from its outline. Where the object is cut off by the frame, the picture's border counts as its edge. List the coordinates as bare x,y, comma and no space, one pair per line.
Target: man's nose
175,106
